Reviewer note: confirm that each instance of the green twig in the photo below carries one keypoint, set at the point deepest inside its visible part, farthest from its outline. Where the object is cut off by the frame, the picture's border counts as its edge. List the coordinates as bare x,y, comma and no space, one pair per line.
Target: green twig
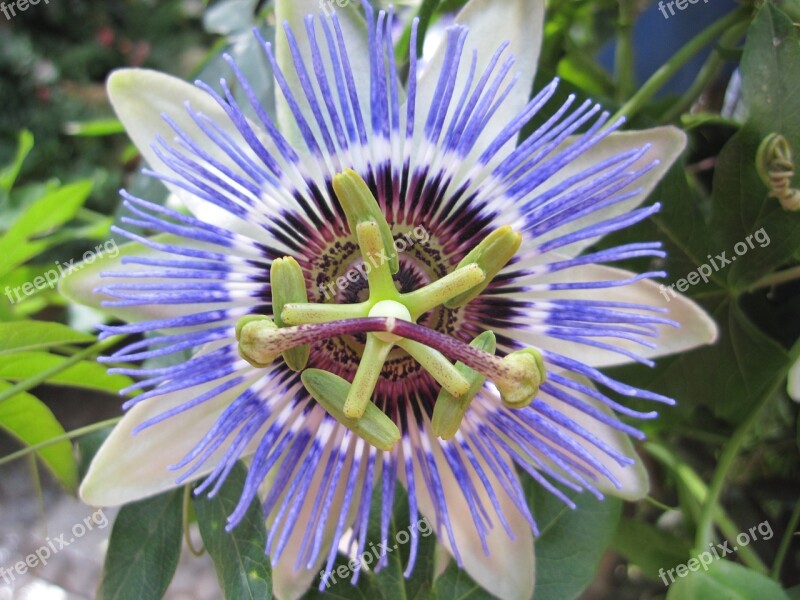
624,67
32,382
187,521
776,279
698,491
677,62
786,541
707,72
75,433
660,505
730,452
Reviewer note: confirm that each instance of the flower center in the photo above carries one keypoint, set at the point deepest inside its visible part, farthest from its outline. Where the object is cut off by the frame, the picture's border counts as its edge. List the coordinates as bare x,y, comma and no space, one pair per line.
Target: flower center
385,304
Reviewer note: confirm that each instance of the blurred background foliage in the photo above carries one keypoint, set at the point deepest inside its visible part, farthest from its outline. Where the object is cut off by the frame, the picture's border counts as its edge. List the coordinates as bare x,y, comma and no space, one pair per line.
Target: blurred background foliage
724,459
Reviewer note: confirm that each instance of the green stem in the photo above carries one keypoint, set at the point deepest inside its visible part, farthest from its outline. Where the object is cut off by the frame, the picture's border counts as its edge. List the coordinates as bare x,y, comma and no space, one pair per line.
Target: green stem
187,521
704,534
786,541
660,505
32,382
677,62
698,491
75,433
776,279
707,72
37,488
625,72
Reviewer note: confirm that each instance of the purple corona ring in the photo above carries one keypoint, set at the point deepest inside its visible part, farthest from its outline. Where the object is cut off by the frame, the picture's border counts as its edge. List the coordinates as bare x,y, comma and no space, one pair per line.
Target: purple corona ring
384,284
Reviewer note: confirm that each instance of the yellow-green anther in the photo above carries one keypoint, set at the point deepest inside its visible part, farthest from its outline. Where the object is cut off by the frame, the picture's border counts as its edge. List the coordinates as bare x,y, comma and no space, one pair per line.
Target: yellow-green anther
379,277
359,397
249,334
491,255
303,314
437,364
449,411
522,373
359,206
288,285
445,289
330,390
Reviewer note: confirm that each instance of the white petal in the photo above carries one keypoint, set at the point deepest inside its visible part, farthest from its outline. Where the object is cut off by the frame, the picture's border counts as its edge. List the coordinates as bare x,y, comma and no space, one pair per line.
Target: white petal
491,23
697,328
354,31
793,386
290,583
128,467
140,97
667,145
634,480
79,285
509,570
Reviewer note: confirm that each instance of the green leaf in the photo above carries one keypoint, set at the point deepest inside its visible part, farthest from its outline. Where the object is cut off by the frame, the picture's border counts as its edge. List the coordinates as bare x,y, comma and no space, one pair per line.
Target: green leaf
51,211
8,175
571,543
86,374
47,213
770,69
242,568
144,549
38,335
27,419
343,590
753,230
455,584
747,363
724,580
648,547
